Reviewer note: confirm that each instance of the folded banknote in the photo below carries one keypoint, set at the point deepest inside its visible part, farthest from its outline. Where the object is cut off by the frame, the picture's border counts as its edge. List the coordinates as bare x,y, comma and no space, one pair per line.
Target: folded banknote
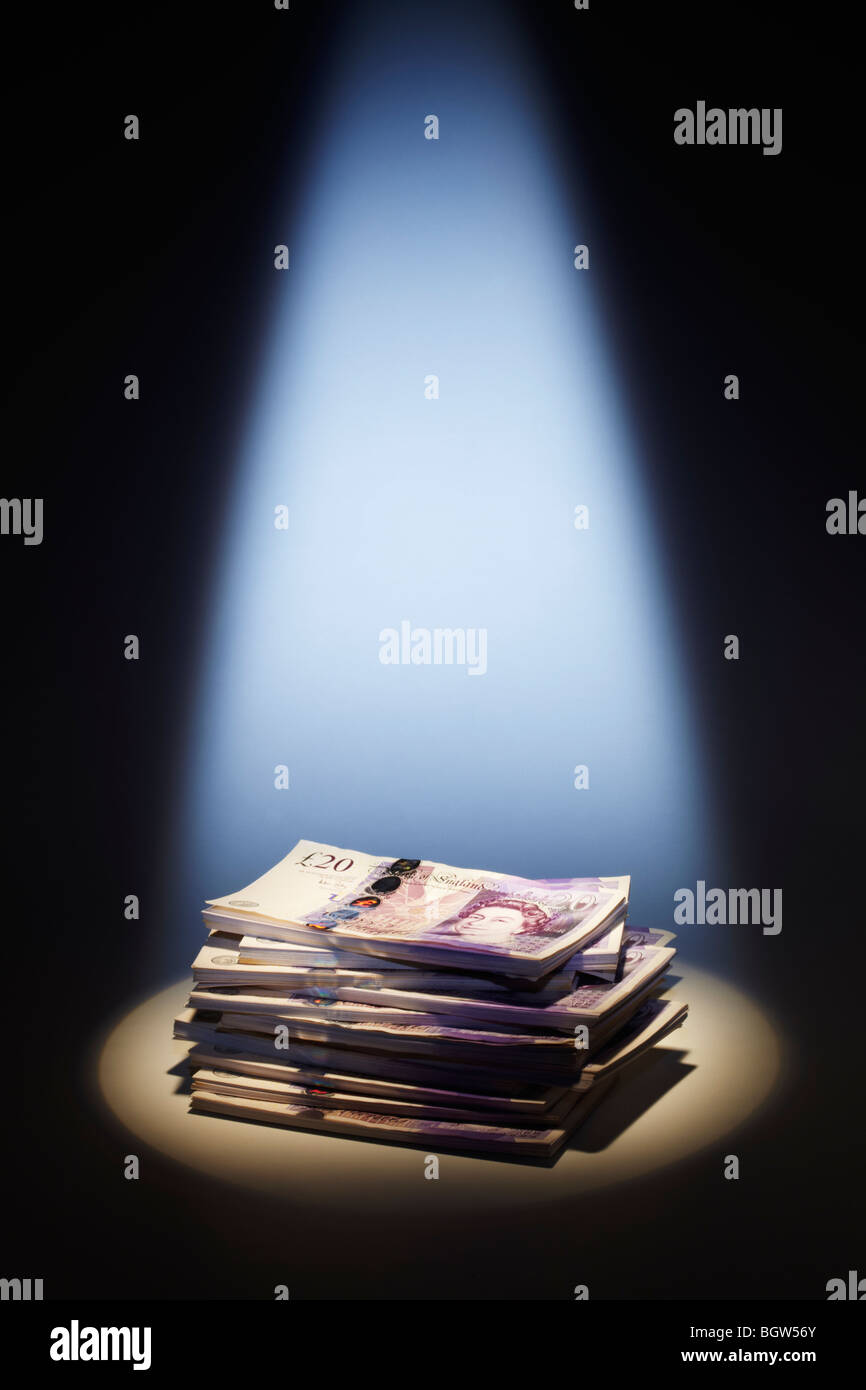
219,963
580,1002
417,910
509,1142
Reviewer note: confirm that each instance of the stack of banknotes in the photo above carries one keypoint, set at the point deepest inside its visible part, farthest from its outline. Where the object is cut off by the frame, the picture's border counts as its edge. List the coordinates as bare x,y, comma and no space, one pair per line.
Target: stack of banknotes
404,1000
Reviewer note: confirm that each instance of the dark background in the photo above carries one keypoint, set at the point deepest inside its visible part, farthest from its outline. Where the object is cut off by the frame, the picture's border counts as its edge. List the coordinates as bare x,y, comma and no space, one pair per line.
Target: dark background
140,258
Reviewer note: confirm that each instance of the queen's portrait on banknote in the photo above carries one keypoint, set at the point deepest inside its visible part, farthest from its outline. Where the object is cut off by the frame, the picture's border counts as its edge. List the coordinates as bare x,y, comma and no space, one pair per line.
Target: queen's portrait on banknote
494,918
497,919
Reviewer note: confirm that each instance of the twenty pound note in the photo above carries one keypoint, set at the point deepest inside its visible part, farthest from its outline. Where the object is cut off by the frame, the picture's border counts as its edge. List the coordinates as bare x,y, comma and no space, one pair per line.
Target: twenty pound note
417,910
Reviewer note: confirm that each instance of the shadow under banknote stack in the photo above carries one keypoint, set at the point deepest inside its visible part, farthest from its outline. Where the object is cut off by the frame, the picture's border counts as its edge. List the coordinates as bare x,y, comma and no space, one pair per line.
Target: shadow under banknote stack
402,1000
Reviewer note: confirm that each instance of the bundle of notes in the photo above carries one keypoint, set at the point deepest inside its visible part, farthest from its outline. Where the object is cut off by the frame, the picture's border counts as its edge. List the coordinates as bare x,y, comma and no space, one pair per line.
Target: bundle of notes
404,1000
